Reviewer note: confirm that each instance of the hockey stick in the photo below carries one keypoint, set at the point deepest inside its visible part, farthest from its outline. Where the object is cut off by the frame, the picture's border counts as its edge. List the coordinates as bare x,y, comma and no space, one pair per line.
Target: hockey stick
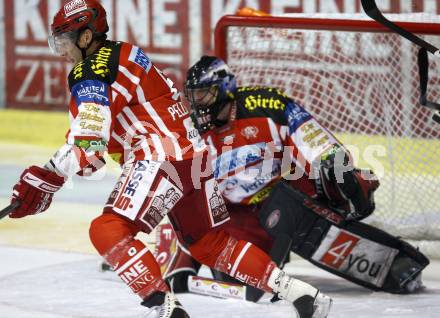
209,287
9,209
373,12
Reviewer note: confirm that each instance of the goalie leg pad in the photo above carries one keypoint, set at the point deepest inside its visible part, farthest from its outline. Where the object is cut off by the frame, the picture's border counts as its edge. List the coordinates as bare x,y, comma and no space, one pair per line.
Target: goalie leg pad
355,251
405,267
283,213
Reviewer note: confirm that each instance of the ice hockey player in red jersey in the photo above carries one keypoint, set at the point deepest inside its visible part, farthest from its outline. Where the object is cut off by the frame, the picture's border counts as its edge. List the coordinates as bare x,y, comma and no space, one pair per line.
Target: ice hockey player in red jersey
278,167
121,103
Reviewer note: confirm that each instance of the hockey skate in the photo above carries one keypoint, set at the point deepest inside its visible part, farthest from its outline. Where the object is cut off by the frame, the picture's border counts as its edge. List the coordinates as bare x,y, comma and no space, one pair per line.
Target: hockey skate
164,305
308,301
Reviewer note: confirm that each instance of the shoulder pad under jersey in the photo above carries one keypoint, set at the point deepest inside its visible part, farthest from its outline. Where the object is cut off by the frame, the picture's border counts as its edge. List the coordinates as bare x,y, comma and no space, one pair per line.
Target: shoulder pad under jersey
258,101
101,66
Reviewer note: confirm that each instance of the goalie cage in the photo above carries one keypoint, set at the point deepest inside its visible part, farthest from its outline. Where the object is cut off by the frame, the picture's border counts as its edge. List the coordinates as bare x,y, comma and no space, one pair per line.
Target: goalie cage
360,81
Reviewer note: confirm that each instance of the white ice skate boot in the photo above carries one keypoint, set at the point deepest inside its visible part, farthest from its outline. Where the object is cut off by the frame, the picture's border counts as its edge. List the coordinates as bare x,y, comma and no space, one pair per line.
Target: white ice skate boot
165,305
308,301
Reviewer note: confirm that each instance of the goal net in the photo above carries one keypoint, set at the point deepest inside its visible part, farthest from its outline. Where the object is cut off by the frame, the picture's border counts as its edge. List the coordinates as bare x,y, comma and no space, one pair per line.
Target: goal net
361,82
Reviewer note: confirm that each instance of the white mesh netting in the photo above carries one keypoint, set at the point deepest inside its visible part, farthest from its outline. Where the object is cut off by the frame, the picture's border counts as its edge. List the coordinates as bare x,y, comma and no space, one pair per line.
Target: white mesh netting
364,87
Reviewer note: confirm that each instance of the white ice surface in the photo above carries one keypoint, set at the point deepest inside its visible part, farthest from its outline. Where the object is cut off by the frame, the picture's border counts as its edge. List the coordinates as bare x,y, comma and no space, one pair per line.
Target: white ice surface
40,283
43,283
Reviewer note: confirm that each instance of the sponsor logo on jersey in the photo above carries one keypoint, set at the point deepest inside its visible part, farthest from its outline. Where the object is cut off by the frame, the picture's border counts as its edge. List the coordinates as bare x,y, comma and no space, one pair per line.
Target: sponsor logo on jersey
92,127
250,132
78,70
355,256
252,102
262,180
237,158
124,201
100,62
91,91
92,145
296,116
74,6
216,205
140,58
114,194
230,185
313,135
85,115
260,195
166,195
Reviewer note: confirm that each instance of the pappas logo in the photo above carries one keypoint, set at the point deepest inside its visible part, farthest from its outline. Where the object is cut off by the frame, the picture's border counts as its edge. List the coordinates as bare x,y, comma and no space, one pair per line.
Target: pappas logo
100,62
74,6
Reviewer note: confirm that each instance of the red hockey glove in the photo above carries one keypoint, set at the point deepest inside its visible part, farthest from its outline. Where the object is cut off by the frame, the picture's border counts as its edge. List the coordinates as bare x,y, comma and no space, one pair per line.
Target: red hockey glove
35,191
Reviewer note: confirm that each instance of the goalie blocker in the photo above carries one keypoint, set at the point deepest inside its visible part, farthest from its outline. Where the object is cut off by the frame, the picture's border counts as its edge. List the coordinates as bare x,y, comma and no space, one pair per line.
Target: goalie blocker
352,250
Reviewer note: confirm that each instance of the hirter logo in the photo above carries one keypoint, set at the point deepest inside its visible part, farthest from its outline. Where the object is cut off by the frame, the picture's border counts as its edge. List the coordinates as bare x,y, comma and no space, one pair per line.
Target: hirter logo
74,6
339,250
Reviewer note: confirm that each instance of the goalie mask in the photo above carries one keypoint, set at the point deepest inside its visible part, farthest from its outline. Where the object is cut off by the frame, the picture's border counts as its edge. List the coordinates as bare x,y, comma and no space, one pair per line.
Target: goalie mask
209,86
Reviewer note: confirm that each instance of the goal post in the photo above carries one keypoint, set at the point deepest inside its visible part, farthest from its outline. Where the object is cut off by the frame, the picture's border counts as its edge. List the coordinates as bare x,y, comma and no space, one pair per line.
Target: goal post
361,82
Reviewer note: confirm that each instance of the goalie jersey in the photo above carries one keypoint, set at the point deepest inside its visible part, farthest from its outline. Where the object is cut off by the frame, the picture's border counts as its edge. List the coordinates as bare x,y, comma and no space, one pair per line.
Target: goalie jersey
268,136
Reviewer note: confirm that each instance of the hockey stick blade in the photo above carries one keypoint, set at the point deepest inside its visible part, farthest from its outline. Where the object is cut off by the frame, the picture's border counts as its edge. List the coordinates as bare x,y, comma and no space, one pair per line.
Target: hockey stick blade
373,12
211,287
9,209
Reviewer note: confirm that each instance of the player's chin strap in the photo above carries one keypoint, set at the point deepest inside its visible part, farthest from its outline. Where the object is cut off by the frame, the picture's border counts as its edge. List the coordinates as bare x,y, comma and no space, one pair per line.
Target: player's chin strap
422,60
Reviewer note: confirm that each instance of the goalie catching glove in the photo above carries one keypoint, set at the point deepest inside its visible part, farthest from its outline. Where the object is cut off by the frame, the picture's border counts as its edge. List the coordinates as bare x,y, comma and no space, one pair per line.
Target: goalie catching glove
349,190
34,191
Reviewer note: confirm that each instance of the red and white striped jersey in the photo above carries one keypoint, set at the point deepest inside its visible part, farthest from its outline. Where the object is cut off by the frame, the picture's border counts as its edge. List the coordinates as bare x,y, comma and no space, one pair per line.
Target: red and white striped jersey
269,136
121,102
